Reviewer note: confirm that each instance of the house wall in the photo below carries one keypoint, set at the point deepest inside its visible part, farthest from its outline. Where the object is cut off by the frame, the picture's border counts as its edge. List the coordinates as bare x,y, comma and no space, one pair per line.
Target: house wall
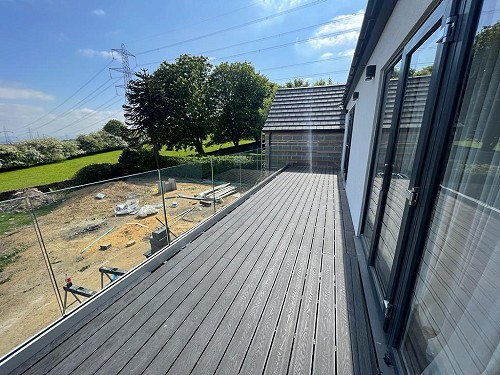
316,148
407,16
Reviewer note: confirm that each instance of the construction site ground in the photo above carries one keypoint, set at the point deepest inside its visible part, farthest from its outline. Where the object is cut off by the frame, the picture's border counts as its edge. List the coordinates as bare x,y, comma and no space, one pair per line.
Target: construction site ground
27,299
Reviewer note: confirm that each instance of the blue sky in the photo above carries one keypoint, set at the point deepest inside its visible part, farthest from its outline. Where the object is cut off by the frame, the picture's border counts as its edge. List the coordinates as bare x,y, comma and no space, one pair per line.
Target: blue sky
55,77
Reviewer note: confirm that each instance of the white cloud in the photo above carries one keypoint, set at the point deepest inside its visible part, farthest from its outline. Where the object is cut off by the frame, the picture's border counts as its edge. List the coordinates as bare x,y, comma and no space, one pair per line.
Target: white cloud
61,37
280,4
348,52
89,52
326,55
344,25
98,12
80,121
16,93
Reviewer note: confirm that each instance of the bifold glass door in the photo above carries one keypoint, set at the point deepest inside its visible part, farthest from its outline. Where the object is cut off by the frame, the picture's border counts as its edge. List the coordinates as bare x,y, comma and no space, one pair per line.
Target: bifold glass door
403,131
400,165
454,322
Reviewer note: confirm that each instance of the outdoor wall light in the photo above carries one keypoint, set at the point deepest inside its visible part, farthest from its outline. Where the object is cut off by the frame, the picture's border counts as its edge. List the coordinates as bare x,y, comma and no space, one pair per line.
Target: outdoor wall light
355,96
370,72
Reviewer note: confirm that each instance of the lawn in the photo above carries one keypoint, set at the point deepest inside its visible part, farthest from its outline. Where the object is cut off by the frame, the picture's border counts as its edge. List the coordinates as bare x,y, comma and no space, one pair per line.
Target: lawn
207,149
50,173
66,169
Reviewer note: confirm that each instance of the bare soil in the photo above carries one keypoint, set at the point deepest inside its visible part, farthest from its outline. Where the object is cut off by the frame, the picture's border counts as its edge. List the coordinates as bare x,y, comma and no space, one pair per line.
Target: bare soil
27,298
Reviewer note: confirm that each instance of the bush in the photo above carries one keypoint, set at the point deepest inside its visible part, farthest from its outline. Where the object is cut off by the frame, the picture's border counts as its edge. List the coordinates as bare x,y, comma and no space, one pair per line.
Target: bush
37,151
96,172
99,141
10,156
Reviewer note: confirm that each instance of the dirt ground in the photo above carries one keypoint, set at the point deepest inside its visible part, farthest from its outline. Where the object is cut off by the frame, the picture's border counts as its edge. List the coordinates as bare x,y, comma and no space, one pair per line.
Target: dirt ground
27,299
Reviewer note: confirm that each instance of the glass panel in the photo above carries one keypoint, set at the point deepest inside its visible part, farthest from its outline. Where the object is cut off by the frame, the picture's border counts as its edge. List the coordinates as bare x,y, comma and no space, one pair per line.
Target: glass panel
454,324
414,103
378,173
27,299
100,225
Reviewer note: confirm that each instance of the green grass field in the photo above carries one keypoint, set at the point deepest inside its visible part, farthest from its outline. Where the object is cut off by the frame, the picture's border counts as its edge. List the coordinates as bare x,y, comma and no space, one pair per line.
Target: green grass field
66,169
50,173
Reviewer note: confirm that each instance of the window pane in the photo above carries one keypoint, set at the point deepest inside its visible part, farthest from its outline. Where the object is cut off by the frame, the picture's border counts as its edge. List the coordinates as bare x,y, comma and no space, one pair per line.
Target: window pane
385,126
414,104
454,324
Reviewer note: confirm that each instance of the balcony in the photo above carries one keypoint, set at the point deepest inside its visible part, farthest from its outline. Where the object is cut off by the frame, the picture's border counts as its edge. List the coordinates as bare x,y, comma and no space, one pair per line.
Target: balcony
269,284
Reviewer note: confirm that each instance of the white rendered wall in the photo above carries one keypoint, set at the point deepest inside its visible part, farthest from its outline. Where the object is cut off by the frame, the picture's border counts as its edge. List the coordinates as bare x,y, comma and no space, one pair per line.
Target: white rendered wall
407,16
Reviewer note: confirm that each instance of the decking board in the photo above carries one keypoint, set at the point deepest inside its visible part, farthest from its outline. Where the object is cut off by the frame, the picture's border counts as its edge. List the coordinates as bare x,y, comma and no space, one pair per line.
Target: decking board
235,332
263,248
242,244
282,319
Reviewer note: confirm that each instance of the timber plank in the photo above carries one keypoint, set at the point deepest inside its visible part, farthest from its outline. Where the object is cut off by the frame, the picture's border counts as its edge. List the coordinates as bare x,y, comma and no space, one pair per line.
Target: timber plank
93,316
147,320
324,356
266,298
222,329
280,351
303,345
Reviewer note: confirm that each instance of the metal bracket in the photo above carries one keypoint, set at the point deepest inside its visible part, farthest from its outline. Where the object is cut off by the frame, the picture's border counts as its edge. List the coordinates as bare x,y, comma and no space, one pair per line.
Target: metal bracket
448,30
388,309
412,196
388,359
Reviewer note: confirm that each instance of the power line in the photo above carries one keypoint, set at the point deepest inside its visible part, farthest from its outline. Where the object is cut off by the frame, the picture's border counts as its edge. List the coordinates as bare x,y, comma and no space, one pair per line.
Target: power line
312,75
68,98
200,21
90,114
83,101
305,63
289,44
97,122
330,35
252,41
234,27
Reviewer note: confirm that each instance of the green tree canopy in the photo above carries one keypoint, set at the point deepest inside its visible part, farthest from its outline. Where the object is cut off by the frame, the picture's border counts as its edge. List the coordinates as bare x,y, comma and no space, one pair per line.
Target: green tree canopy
239,93
116,127
185,84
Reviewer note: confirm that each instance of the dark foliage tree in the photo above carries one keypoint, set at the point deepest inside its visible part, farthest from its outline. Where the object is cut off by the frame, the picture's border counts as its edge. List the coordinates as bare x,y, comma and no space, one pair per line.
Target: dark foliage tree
148,111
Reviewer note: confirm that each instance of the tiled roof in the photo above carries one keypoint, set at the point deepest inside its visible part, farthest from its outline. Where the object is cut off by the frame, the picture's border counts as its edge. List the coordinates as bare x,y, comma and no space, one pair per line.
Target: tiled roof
304,108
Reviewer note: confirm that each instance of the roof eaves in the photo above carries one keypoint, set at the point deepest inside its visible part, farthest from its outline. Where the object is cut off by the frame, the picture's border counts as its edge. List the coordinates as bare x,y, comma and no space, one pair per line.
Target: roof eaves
376,16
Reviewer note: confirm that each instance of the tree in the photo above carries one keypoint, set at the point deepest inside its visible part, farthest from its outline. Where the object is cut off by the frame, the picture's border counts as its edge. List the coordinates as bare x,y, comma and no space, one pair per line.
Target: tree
320,82
484,92
185,84
264,110
116,127
297,82
99,141
239,94
147,111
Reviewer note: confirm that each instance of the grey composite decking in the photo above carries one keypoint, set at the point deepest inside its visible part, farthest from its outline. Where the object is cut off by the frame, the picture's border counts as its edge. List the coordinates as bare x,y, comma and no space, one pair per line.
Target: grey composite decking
261,291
